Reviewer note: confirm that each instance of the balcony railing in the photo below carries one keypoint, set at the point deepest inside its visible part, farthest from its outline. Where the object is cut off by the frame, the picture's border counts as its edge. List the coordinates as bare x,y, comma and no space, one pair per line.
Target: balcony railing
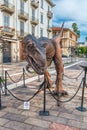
25,0
7,7
23,15
49,14
35,4
49,29
34,20
7,31
51,3
20,35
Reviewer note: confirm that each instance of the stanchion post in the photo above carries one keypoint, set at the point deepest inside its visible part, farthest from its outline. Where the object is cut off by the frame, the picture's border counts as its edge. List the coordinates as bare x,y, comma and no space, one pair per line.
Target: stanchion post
38,78
24,78
82,109
6,83
44,112
0,95
1,107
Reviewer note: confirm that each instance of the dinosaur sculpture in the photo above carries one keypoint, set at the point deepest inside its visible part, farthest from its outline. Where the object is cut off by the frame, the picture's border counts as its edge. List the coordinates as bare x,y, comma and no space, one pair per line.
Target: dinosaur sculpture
39,53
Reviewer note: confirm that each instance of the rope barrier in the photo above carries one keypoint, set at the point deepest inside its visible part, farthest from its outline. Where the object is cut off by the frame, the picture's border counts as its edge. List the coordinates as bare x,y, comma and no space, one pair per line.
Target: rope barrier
58,94
73,78
40,88
30,97
13,80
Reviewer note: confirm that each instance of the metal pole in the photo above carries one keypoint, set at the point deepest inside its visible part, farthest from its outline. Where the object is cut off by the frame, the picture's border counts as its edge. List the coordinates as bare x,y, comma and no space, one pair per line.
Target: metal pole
5,83
24,78
38,78
44,112
84,80
0,95
82,109
1,107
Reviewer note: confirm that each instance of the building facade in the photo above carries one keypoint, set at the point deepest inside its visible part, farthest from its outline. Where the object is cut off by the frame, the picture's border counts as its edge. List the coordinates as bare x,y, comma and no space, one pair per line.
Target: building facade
19,18
69,40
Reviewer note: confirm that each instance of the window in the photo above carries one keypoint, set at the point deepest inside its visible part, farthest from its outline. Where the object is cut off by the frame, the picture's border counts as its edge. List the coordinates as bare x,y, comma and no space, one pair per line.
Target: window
48,34
41,32
21,28
48,23
41,20
33,14
33,30
70,35
41,3
6,23
22,6
48,8
54,34
6,2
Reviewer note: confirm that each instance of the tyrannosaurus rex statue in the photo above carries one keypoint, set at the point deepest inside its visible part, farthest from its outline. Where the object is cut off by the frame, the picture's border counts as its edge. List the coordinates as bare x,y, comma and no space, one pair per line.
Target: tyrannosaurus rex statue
39,53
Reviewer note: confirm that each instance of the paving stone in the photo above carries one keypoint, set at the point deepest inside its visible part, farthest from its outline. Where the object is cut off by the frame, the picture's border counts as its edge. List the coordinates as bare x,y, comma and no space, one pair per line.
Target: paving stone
77,124
38,128
2,113
18,126
3,121
70,116
15,117
4,128
55,126
12,110
61,120
38,122
50,118
85,119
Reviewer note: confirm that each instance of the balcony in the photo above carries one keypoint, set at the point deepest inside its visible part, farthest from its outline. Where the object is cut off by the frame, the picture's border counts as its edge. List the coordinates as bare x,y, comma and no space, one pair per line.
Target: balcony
34,4
34,21
49,14
21,35
51,3
23,15
49,29
7,31
7,7
25,0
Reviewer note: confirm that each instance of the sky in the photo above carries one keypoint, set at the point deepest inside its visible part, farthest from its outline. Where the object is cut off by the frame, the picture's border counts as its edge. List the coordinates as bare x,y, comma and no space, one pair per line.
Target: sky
70,11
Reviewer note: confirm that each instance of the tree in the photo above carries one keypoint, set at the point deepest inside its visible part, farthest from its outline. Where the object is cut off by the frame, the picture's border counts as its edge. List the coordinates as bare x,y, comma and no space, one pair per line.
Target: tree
75,29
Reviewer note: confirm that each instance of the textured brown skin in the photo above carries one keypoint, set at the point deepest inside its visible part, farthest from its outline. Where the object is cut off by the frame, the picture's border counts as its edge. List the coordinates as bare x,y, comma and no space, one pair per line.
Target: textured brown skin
47,50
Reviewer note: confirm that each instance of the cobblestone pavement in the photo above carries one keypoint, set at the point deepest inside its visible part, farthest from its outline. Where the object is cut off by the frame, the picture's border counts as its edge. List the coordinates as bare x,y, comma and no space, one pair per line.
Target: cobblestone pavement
63,117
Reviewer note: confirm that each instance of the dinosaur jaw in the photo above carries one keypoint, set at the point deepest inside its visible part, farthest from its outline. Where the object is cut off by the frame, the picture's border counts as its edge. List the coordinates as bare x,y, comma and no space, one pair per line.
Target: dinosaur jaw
37,68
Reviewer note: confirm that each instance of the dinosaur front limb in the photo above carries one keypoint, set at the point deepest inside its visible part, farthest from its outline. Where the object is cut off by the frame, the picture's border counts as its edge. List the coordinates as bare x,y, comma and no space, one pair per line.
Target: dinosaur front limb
48,77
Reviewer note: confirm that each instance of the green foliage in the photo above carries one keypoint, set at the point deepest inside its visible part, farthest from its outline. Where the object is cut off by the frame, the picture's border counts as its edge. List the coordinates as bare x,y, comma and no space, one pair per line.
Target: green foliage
82,50
75,29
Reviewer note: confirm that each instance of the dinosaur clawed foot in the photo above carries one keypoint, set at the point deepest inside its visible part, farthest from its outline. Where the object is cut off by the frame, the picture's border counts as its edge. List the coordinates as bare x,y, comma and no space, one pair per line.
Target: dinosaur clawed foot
60,93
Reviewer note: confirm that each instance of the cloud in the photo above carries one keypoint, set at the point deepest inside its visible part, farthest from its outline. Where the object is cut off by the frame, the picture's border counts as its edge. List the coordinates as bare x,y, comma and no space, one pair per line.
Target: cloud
71,11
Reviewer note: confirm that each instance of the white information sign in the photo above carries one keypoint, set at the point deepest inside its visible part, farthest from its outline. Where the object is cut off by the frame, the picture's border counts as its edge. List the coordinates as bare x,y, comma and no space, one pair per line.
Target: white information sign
27,105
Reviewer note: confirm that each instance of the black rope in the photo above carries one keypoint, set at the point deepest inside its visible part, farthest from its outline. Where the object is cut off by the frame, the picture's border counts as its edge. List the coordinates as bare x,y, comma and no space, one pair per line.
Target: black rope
30,97
13,80
65,100
71,77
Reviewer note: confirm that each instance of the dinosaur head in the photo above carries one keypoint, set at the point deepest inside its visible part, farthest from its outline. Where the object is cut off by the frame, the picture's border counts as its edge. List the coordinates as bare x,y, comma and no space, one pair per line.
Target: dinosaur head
34,54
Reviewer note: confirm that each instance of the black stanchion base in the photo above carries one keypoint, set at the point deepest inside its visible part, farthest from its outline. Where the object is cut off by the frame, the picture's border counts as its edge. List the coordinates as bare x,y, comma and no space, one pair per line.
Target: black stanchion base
24,86
5,94
81,109
2,107
44,113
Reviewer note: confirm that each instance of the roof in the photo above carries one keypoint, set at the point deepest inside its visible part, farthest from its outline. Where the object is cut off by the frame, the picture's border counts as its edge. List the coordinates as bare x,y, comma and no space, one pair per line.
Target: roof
65,29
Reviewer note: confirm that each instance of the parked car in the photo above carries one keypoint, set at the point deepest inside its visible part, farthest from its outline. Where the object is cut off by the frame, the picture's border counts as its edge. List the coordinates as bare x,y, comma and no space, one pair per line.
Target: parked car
64,56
